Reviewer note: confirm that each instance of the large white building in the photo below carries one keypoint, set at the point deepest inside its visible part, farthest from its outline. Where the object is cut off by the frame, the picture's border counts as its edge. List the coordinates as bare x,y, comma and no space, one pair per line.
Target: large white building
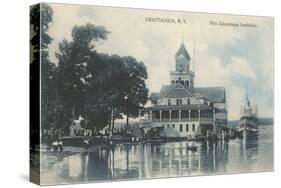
184,108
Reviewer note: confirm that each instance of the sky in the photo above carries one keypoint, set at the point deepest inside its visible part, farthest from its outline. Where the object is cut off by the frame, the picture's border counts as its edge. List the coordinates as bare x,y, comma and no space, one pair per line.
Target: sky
237,58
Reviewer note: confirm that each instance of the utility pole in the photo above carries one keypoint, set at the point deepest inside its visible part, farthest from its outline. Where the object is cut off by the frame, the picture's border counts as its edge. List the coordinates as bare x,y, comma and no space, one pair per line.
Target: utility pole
111,122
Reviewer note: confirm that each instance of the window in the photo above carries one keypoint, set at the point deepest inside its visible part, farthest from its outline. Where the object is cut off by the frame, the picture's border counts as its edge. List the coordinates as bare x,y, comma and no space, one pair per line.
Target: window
173,125
169,102
186,127
179,102
180,127
188,101
168,126
206,114
194,114
193,127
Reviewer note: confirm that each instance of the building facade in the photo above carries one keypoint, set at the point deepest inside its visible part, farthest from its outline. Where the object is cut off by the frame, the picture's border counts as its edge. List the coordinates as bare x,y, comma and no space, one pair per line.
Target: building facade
183,108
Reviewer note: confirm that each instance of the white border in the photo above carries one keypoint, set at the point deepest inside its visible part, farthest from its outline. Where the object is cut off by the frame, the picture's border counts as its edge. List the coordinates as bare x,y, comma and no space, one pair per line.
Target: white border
15,91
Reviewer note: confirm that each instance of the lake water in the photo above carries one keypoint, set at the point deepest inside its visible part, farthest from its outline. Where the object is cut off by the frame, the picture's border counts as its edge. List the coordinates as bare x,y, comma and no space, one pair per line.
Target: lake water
172,159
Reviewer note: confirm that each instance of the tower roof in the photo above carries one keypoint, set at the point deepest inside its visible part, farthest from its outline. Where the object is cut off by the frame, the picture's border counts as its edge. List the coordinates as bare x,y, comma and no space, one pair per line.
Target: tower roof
182,51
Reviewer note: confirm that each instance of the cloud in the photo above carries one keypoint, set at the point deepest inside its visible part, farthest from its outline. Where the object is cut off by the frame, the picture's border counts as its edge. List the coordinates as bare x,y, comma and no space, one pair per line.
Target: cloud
65,17
235,58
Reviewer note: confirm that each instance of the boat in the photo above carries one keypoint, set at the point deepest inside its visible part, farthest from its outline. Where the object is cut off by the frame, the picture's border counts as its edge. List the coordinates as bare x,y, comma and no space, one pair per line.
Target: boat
192,147
76,141
248,123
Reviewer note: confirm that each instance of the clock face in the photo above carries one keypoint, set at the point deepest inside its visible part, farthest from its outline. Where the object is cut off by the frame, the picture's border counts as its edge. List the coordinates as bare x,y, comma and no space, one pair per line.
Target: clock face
181,66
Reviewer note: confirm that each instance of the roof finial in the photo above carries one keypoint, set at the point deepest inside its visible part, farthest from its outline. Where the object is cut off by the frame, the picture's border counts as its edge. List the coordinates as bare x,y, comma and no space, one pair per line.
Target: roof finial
182,51
247,99
193,62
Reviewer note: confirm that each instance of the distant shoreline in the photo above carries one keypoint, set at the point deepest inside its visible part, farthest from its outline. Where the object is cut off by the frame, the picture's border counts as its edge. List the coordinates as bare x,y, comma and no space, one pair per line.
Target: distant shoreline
262,121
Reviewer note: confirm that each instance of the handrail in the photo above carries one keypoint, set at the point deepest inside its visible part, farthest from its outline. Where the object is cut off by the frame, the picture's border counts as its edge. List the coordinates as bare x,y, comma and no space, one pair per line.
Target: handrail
182,119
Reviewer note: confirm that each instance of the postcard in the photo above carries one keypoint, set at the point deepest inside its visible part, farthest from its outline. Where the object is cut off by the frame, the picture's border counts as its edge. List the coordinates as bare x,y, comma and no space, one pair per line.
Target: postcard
128,94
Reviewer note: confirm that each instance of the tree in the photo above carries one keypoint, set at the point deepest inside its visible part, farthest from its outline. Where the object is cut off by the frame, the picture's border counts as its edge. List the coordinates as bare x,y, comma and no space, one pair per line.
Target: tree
115,84
74,59
104,91
154,98
41,16
95,84
134,88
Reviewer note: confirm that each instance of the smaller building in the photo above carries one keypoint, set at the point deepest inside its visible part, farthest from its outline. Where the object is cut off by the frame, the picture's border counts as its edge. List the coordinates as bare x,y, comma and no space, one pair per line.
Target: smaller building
77,130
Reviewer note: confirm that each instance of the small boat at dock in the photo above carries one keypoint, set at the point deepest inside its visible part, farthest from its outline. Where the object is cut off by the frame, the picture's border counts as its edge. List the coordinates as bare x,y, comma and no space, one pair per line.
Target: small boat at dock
192,147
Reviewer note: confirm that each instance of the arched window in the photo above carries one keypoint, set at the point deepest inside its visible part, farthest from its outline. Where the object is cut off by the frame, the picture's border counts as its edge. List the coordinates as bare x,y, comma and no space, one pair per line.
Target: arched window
188,101
186,127
179,102
193,127
180,127
186,83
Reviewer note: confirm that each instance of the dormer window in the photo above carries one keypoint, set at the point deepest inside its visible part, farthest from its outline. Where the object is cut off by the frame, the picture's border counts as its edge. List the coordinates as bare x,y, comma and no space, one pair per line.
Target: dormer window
169,102
179,102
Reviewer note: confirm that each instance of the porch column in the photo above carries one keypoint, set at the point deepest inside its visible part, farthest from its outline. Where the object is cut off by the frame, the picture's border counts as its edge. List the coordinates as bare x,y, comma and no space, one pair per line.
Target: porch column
198,115
189,115
170,115
214,120
160,117
150,115
179,115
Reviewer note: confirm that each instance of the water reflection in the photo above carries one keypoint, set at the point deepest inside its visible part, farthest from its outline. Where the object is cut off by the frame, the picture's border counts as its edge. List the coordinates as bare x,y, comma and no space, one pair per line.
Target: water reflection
162,160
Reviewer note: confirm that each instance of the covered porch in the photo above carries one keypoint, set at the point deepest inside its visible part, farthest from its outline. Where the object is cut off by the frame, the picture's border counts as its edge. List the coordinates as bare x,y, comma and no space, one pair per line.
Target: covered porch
204,115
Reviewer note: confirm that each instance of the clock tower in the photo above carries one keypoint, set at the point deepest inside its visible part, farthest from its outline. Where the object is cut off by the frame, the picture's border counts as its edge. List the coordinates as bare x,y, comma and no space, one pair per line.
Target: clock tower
182,73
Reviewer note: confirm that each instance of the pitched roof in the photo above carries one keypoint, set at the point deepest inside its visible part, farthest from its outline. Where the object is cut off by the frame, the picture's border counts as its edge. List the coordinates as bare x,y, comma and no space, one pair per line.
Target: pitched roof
175,91
215,94
182,51
179,93
164,90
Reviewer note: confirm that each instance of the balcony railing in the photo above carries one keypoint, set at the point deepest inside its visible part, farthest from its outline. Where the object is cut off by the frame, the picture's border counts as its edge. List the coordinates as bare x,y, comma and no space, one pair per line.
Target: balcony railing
183,119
